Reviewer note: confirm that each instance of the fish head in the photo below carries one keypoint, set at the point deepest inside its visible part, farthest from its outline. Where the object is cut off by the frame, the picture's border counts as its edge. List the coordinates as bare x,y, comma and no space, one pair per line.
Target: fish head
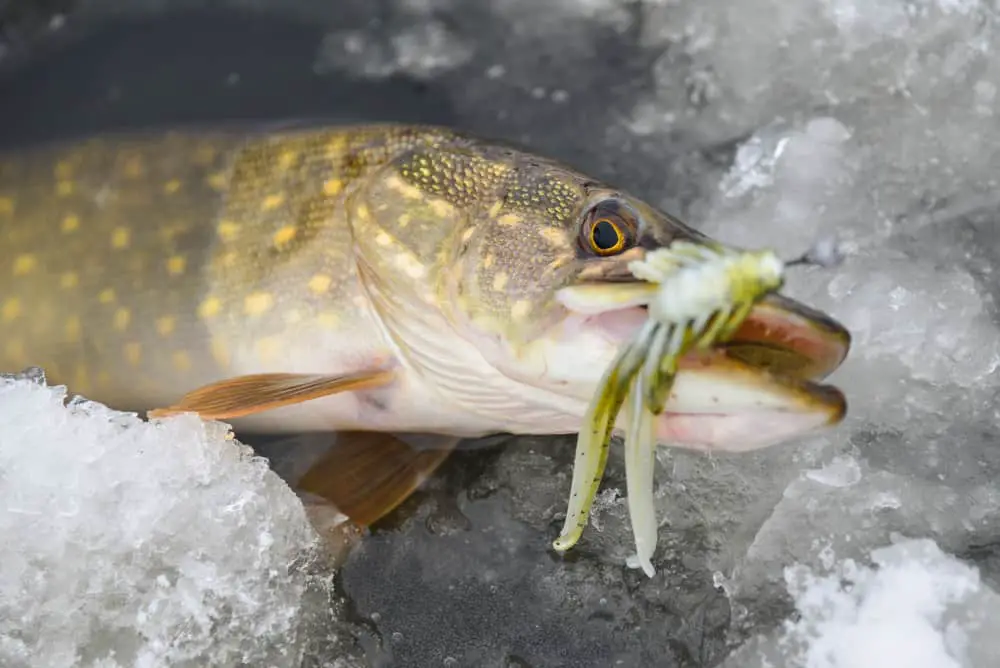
521,265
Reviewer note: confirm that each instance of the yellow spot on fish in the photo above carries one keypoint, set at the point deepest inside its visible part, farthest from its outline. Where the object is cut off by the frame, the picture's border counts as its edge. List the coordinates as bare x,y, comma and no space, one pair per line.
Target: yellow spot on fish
228,259
363,212
553,235
257,303
69,280
106,296
165,325
333,187
410,266
489,260
500,281
63,169
227,230
171,186
268,348
25,264
404,220
64,188
320,283
272,202
72,329
122,318
441,208
405,189
133,353
509,219
181,361
216,181
209,307
284,235
11,309
328,319
120,238
520,309
467,234
133,167
383,239
496,208
175,265
287,158
337,143
70,223
6,206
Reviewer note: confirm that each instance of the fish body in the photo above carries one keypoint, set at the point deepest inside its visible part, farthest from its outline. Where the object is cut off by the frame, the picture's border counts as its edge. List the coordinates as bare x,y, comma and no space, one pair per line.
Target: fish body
385,278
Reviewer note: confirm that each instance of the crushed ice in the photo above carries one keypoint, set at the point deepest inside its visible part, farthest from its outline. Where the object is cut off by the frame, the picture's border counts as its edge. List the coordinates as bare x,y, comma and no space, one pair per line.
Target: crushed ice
916,607
141,544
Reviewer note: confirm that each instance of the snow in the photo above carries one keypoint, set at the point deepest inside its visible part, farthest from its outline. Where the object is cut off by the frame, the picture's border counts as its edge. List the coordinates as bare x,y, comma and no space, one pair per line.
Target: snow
142,544
918,607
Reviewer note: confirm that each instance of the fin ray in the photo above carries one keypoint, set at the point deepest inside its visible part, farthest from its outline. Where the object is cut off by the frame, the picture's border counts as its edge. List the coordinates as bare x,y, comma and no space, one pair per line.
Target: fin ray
366,475
246,395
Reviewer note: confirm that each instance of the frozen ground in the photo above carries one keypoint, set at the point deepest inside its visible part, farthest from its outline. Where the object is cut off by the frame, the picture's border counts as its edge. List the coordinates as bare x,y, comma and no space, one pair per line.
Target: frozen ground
763,122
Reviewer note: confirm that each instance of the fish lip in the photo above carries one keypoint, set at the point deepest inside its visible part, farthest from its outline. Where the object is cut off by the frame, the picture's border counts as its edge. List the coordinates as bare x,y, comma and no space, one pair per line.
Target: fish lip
779,335
787,336
721,403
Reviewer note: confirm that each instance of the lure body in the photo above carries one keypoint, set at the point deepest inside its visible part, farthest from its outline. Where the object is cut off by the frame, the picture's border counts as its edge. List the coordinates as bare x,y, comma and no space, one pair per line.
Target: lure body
704,294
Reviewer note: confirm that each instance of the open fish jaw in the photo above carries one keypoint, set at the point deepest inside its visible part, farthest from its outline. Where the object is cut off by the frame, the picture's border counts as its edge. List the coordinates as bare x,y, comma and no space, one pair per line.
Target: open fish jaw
704,298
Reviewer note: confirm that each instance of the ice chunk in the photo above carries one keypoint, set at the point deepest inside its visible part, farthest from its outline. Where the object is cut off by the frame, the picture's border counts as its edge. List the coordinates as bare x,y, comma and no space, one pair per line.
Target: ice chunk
919,608
422,47
793,184
849,506
141,544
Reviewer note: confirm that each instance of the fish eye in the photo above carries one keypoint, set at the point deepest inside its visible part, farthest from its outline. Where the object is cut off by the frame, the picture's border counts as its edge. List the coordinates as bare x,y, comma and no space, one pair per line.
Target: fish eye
606,238
608,229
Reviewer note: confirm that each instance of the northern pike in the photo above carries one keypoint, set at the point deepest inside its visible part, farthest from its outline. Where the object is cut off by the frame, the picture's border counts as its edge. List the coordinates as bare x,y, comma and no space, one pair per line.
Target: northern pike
398,285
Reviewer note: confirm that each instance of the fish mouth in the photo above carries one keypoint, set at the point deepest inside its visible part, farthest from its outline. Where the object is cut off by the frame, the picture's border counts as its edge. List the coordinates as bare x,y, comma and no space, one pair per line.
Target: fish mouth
758,389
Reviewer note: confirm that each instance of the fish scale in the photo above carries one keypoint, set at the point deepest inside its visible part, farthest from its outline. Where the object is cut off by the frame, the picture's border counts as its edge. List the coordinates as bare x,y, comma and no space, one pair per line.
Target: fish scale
385,281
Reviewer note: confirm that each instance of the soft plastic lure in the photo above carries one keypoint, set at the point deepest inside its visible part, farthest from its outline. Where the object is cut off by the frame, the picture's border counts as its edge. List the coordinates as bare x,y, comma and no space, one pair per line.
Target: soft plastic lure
705,294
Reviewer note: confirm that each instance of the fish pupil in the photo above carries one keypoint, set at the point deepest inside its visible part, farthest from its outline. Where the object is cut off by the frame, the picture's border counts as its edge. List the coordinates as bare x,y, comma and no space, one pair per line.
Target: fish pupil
605,235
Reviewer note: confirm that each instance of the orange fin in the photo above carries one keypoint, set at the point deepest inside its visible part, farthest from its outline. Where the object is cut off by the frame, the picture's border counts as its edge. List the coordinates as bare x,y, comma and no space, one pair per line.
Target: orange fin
368,474
245,395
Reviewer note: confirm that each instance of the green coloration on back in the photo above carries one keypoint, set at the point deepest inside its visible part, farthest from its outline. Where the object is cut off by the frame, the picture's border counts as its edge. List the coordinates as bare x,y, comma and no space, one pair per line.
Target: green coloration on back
127,259
136,267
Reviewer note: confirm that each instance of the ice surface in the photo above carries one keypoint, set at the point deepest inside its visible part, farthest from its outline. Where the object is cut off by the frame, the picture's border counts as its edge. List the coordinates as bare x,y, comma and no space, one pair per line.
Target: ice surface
142,544
917,607
764,123
874,122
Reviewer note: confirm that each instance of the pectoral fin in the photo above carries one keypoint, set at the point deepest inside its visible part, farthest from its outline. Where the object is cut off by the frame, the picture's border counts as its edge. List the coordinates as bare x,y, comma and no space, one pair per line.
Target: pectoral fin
368,474
246,395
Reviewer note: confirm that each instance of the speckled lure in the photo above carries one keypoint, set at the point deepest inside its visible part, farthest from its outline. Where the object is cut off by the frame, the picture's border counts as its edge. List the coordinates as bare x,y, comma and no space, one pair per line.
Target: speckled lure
705,293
